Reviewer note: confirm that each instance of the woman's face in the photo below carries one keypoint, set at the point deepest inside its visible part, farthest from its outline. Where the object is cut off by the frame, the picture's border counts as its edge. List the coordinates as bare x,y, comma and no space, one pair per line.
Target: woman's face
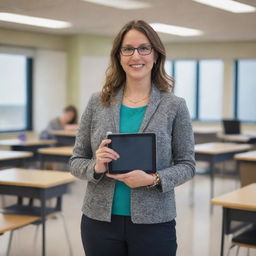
68,116
137,67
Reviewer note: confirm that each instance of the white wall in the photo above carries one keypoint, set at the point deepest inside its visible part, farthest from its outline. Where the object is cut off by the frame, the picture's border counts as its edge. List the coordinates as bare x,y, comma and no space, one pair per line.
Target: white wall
49,90
92,77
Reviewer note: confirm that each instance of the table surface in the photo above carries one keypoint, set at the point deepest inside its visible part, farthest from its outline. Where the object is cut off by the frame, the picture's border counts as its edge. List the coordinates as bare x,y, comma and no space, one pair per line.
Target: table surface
28,142
214,148
71,133
34,178
243,137
9,155
60,151
243,198
205,130
247,156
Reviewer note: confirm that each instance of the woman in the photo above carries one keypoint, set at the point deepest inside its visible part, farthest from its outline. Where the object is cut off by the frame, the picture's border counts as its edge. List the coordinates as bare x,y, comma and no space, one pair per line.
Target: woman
66,121
134,213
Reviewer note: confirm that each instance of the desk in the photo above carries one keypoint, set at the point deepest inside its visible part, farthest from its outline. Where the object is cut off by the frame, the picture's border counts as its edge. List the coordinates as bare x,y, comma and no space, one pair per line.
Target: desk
65,137
205,134
217,152
13,158
247,167
239,205
238,138
56,154
31,145
39,184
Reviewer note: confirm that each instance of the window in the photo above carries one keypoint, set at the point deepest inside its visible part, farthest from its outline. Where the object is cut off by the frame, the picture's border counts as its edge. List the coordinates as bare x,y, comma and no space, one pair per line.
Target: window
210,89
245,93
16,90
185,85
200,83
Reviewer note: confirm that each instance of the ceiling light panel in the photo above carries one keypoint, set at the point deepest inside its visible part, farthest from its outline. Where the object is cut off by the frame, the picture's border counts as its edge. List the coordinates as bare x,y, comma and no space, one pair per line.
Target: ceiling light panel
228,5
121,4
175,30
33,21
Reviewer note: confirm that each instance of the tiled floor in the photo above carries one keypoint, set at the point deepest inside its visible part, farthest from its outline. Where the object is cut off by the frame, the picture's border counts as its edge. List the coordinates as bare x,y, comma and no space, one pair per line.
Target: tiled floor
198,231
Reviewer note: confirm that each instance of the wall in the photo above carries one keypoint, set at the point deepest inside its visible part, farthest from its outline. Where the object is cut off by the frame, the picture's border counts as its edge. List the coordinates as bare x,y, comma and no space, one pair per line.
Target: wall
79,47
49,91
50,70
227,51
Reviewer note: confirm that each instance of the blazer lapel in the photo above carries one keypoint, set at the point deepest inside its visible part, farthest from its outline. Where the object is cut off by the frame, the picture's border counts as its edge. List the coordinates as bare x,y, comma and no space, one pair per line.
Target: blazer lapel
154,101
115,110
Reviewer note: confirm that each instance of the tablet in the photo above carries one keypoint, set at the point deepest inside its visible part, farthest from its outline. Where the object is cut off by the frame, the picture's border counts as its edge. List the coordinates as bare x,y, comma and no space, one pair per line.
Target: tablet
137,152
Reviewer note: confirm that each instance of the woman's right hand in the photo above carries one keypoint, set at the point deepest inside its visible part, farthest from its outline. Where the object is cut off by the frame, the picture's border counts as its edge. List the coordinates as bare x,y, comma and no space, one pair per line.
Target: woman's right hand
104,155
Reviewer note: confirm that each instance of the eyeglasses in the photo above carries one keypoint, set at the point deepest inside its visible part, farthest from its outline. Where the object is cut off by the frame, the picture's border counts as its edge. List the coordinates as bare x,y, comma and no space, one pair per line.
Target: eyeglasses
142,50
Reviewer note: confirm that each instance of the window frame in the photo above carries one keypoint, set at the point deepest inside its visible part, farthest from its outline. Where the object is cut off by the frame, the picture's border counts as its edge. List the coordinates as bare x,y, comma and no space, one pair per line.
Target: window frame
197,87
236,91
29,96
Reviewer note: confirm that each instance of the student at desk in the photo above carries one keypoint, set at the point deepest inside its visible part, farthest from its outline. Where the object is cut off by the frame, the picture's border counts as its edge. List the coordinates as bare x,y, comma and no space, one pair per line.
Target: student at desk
66,121
133,213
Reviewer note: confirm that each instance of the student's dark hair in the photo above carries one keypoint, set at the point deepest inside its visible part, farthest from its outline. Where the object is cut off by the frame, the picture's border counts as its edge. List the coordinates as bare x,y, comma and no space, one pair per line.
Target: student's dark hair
115,75
72,109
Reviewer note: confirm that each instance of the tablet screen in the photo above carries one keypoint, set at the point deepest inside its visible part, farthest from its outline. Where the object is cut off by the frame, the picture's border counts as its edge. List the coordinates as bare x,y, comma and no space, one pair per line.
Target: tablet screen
137,152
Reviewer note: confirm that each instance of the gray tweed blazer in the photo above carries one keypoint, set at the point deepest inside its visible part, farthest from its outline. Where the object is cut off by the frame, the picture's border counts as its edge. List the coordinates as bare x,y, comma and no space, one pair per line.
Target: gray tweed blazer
167,116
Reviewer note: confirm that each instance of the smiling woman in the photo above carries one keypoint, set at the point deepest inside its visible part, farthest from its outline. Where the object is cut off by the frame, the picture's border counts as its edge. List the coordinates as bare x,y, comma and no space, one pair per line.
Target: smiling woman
122,210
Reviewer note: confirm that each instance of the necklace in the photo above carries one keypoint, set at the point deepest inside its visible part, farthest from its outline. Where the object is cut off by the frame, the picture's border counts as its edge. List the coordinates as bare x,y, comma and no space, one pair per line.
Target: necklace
137,101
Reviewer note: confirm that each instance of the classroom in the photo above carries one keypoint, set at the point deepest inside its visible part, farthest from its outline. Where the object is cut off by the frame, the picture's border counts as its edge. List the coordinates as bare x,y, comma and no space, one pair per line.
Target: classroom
56,166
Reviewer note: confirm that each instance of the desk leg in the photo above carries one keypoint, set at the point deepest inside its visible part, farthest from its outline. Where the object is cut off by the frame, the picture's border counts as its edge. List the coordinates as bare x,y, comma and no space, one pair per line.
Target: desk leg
212,183
41,162
222,233
43,217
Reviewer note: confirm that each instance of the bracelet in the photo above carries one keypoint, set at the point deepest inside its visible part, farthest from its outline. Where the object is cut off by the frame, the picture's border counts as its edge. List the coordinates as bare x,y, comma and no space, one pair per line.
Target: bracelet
156,180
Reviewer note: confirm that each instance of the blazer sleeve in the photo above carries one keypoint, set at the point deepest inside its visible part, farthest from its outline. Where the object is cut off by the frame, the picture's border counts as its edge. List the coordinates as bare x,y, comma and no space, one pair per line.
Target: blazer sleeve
183,156
82,162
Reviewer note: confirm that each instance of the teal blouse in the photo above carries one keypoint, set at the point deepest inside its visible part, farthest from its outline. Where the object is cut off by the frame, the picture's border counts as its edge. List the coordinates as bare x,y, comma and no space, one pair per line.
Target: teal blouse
130,122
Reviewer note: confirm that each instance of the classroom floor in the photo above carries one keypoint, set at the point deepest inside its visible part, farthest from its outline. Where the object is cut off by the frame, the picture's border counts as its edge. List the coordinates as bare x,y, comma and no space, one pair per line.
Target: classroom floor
198,231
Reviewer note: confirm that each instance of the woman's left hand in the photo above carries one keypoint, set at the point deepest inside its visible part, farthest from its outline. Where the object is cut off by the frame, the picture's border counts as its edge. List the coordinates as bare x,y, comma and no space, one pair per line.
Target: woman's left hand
134,179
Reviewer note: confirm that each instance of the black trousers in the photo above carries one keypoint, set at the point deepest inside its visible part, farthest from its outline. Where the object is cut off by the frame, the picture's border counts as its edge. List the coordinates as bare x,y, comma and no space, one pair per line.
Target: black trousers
121,237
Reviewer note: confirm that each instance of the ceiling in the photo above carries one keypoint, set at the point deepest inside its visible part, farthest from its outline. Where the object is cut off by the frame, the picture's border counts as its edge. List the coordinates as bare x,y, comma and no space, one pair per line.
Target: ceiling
88,18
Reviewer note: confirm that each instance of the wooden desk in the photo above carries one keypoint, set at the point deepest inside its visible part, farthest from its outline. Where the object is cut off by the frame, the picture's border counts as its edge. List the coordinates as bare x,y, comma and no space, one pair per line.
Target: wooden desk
247,167
39,184
238,138
239,205
65,137
56,154
13,158
217,152
31,145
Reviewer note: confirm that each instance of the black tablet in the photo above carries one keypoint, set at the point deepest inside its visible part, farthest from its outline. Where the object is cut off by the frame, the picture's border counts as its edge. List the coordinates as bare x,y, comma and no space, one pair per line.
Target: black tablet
137,152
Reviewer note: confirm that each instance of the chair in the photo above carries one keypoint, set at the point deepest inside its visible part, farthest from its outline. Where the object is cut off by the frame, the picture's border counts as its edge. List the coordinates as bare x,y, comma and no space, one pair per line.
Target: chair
246,238
231,126
11,222
30,207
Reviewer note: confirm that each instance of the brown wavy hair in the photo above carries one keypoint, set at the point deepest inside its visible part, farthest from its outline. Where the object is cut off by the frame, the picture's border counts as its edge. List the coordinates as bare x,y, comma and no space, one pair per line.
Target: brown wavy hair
115,75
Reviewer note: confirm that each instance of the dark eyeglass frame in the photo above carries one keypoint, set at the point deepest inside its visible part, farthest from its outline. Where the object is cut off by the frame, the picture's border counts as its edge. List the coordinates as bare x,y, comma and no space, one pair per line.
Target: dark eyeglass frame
138,50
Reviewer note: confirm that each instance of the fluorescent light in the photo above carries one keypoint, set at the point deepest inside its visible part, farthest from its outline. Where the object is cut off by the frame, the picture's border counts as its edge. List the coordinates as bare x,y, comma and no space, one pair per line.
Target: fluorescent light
228,5
121,4
175,30
33,21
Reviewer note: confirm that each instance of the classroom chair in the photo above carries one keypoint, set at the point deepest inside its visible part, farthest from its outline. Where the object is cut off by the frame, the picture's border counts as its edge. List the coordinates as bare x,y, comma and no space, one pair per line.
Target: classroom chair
12,222
55,213
246,238
231,126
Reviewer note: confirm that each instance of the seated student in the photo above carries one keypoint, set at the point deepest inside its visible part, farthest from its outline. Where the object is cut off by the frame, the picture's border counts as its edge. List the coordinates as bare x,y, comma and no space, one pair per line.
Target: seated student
66,121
